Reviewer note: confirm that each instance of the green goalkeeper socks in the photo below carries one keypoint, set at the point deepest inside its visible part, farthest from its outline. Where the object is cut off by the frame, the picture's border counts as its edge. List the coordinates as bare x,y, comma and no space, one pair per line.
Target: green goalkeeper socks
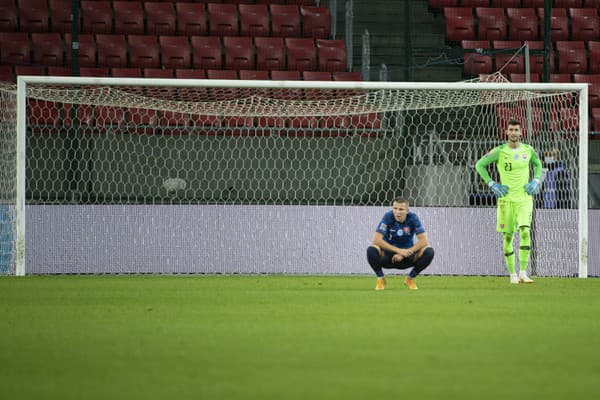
509,253
524,248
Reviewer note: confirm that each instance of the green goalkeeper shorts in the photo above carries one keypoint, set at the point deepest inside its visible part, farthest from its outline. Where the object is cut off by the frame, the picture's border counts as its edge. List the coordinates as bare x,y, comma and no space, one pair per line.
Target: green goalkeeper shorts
513,214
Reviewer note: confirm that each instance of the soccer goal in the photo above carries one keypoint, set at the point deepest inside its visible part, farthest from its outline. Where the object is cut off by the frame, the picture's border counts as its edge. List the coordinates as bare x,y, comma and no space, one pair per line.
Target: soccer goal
118,175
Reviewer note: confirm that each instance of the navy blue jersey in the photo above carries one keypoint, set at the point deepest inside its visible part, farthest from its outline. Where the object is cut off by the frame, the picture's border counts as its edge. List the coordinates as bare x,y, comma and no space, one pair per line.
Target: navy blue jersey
400,234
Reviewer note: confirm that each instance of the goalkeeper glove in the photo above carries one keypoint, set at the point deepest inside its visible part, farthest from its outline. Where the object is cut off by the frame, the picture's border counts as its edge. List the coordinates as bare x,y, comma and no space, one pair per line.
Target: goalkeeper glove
533,187
498,188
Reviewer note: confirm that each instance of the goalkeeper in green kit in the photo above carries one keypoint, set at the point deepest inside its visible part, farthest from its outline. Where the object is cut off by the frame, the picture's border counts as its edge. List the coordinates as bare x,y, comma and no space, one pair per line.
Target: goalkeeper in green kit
514,192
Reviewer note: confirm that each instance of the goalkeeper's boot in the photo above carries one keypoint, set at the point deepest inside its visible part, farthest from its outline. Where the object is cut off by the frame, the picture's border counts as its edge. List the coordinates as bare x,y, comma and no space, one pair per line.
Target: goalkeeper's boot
380,284
514,278
523,278
410,283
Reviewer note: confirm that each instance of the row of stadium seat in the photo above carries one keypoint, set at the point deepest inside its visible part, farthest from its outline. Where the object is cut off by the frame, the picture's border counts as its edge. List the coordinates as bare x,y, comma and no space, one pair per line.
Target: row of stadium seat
487,23
572,57
437,4
166,18
151,51
8,73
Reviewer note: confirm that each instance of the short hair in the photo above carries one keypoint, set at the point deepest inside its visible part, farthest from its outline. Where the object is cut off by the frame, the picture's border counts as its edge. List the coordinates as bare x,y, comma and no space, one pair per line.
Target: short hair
513,122
399,199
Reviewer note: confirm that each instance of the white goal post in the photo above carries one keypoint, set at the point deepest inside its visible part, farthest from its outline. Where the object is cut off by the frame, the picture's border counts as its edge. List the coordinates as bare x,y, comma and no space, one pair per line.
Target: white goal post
133,175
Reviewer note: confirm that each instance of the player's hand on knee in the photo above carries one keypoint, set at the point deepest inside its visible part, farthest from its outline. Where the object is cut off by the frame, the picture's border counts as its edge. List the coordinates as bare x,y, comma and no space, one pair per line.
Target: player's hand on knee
396,258
533,187
498,188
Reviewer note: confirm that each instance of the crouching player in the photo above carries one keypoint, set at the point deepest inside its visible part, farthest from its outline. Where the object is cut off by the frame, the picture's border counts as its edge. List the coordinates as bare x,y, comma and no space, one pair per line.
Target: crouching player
394,246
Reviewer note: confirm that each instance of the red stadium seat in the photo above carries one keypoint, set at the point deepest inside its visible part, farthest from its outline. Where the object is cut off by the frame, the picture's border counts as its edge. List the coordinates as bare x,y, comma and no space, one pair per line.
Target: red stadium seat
476,63
223,19
254,75
285,20
560,78
191,18
475,3
316,76
160,18
332,55
523,24
594,53
507,62
517,77
48,49
206,52
59,71
505,3
143,51
112,50
316,22
254,20
33,16
86,51
594,88
31,70
96,16
119,72
129,17
94,71
14,48
6,73
60,15
460,24
175,51
492,23
301,54
8,17
567,3
532,3
559,24
159,73
239,52
270,53
221,74
347,76
585,27
572,57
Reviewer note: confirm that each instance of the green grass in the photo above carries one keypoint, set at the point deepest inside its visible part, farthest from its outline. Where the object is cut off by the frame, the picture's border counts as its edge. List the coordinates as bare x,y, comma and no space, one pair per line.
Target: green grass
281,337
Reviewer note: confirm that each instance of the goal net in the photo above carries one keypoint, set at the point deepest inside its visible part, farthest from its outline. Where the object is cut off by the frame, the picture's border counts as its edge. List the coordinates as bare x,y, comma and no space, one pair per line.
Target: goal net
214,176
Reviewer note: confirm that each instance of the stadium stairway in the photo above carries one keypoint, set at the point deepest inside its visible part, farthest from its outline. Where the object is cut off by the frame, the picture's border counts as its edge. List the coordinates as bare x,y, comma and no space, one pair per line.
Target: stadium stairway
386,22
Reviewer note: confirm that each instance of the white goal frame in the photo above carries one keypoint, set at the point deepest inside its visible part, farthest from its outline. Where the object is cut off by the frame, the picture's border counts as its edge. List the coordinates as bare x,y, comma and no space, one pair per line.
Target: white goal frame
24,81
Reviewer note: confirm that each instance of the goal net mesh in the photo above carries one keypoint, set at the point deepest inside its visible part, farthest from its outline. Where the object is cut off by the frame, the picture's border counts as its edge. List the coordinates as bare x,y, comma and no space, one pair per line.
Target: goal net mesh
150,179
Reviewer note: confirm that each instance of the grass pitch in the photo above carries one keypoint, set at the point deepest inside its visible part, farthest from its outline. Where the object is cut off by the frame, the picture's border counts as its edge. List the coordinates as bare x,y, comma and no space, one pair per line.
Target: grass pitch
290,337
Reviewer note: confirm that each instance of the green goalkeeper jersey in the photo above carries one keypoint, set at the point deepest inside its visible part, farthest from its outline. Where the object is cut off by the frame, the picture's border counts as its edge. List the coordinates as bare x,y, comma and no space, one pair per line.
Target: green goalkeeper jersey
513,167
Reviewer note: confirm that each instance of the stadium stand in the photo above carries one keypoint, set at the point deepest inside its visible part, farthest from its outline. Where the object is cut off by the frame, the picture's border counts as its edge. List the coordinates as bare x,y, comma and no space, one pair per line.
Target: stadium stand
160,18
206,52
191,18
48,49
129,17
270,53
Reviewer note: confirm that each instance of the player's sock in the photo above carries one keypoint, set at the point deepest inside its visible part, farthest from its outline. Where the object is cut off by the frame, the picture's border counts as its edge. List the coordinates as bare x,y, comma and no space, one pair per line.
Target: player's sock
374,260
422,262
524,247
509,252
